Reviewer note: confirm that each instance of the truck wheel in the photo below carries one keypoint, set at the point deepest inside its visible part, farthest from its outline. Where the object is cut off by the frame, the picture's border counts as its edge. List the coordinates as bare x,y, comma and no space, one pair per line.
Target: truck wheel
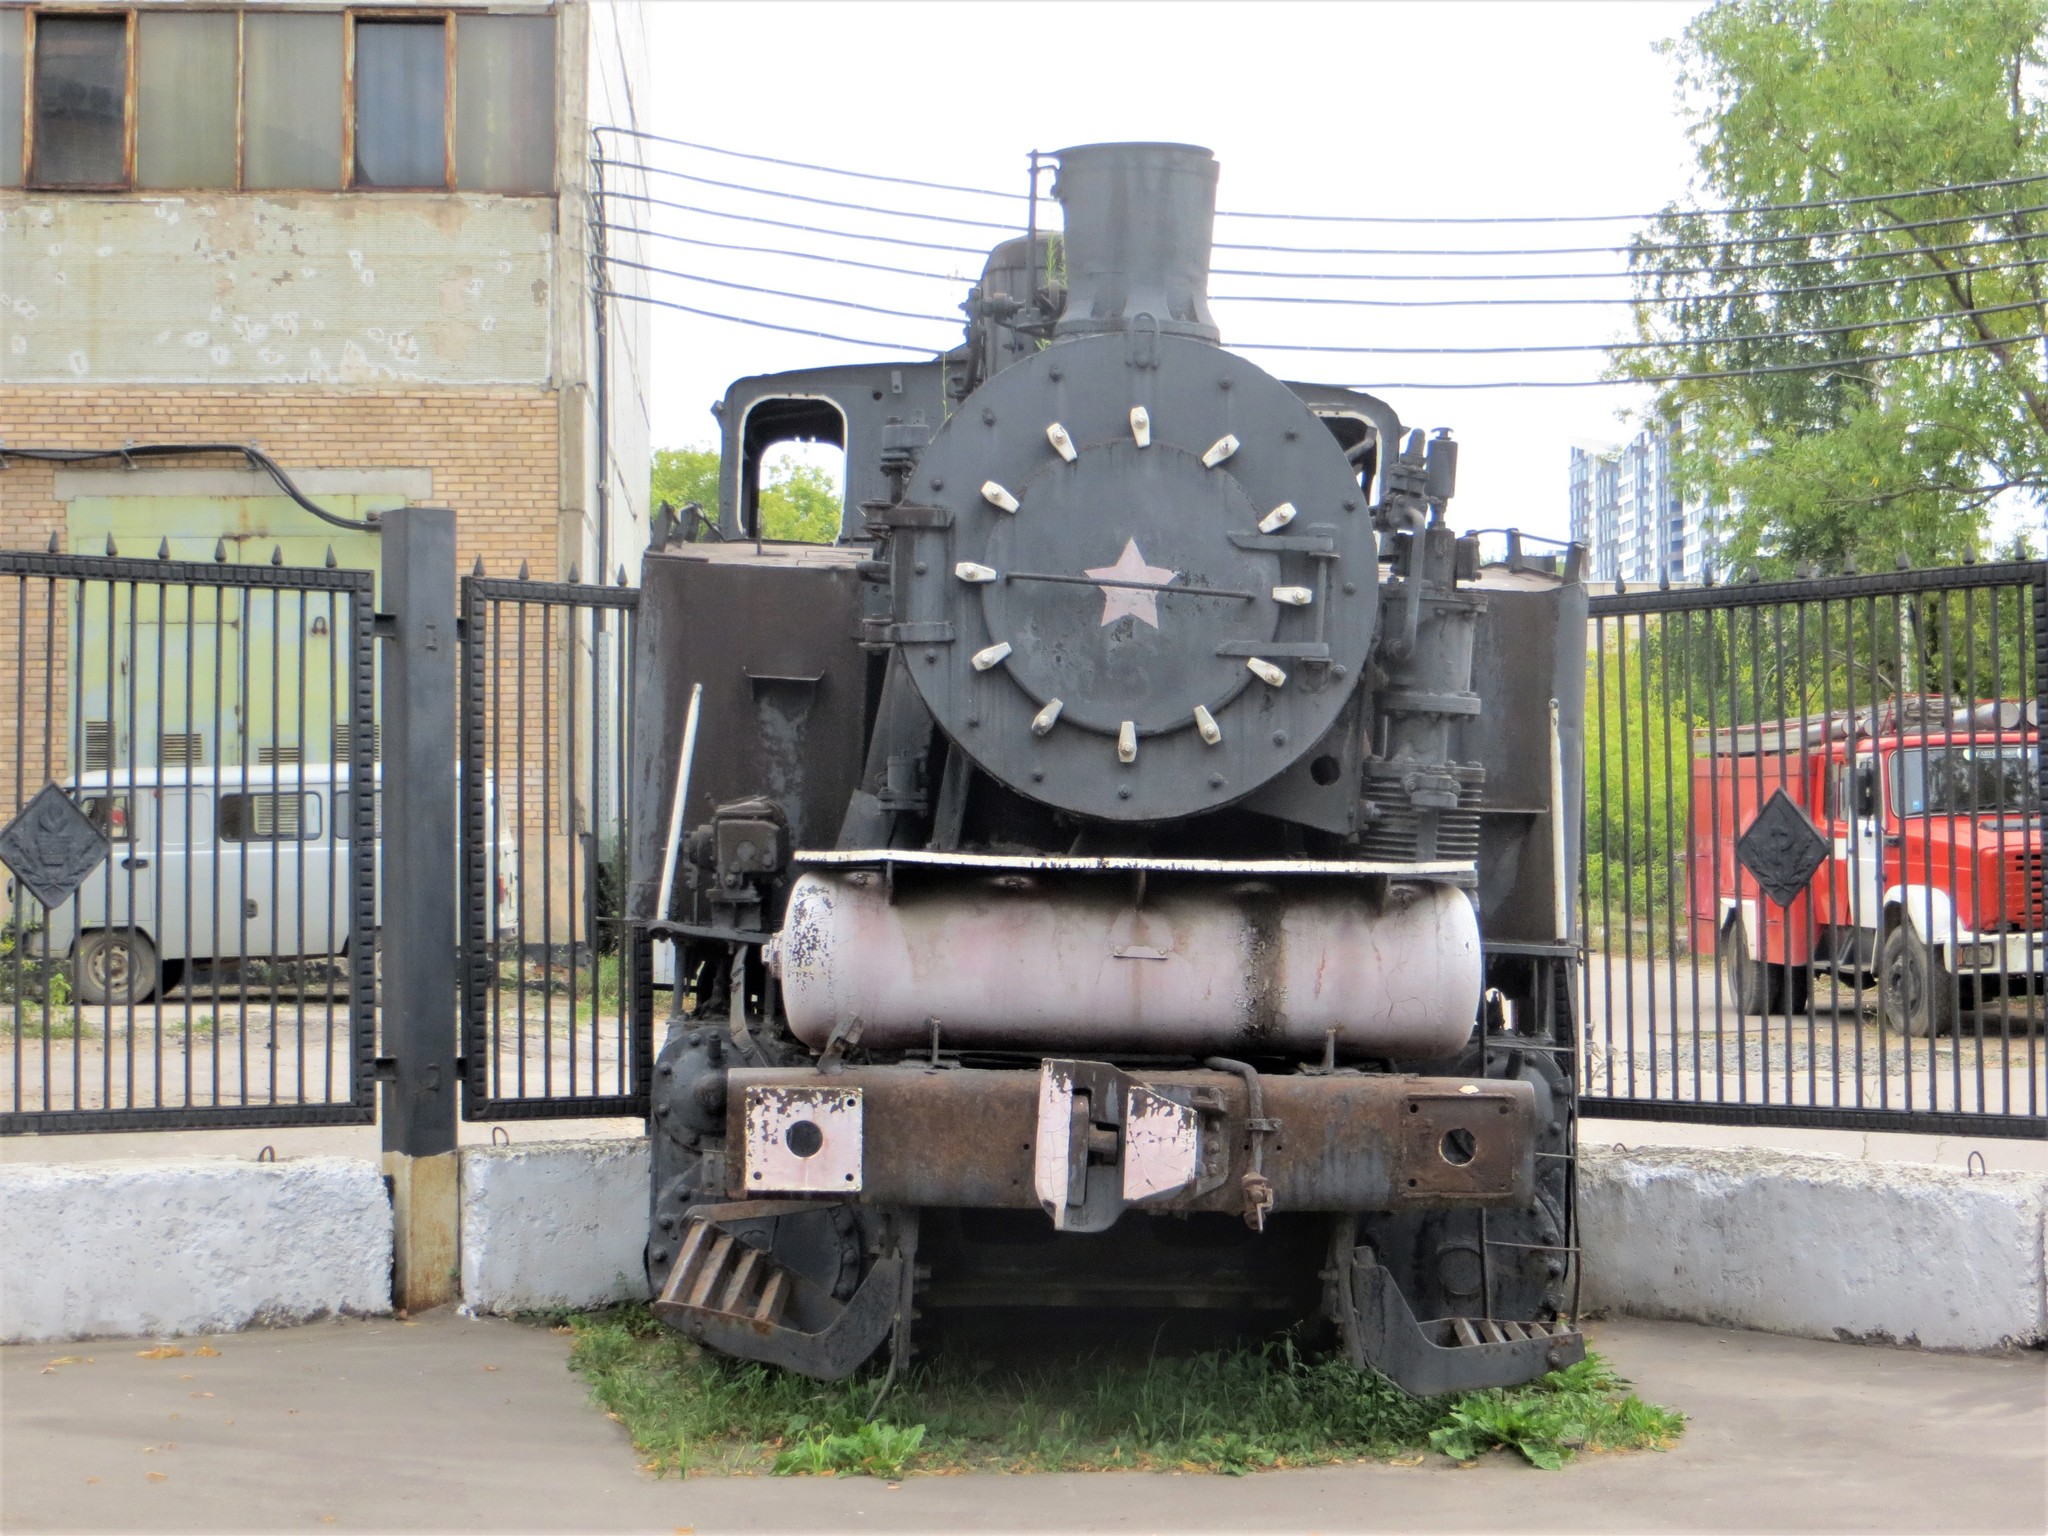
1919,994
1757,987
115,967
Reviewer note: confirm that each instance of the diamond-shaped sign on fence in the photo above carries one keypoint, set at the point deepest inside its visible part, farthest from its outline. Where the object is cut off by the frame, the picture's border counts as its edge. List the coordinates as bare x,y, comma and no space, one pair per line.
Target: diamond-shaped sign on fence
1782,848
52,846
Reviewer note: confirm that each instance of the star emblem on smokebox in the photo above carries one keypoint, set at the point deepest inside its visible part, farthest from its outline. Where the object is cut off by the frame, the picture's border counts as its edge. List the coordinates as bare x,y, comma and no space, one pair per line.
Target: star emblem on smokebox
1782,849
1140,600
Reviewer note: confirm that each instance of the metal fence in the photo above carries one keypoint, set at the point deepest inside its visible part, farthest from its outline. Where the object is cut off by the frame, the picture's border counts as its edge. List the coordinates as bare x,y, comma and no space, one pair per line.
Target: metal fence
191,903
1813,889
549,969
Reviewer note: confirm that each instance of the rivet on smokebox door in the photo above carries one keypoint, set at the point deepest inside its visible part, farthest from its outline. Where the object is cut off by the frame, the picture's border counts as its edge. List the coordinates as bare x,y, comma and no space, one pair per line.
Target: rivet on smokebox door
1220,450
1206,724
997,497
1062,443
1043,721
1127,742
990,656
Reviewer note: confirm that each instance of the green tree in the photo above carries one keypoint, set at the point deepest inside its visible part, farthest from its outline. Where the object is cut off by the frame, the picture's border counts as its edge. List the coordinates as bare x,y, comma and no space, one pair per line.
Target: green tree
1795,101
799,501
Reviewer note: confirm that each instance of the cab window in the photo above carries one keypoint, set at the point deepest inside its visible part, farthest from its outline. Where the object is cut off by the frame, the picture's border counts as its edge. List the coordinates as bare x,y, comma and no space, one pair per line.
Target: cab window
269,818
793,470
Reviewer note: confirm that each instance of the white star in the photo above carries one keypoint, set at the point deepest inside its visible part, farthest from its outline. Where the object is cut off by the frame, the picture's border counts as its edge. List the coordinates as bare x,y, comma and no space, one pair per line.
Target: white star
1137,600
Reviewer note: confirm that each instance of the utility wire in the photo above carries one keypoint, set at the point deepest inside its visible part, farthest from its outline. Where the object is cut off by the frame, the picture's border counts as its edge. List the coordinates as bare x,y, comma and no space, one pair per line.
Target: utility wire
775,250
1803,334
1339,250
1644,303
784,293
765,325
1345,302
254,457
1733,211
807,229
804,197
1820,366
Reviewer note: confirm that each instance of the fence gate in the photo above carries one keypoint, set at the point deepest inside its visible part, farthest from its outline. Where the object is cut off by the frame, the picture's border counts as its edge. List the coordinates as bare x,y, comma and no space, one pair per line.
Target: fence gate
1815,888
549,972
191,894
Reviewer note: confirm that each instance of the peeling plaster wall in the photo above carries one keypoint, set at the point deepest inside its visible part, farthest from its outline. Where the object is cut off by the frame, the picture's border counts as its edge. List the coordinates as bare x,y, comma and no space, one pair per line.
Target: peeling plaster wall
241,288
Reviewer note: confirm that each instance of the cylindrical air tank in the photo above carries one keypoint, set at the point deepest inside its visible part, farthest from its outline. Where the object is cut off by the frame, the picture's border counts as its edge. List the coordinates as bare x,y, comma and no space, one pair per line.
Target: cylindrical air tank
1091,965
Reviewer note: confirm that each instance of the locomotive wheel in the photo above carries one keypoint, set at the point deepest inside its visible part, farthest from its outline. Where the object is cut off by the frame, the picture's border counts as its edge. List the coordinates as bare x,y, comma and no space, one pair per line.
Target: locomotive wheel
1756,986
1918,994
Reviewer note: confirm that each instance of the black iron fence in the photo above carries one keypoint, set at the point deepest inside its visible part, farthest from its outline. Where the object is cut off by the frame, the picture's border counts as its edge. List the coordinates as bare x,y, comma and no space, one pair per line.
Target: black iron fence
549,972
190,920
1813,890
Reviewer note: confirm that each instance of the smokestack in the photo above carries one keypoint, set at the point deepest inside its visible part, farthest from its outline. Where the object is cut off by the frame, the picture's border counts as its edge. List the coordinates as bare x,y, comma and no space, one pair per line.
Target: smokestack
1139,220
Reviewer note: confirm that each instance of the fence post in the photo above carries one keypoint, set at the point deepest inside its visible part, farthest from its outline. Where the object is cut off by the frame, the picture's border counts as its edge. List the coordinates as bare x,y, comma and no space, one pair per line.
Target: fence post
420,893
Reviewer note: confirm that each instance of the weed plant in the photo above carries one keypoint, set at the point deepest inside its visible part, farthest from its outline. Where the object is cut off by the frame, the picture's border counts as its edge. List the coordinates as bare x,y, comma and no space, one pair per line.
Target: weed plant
1232,1411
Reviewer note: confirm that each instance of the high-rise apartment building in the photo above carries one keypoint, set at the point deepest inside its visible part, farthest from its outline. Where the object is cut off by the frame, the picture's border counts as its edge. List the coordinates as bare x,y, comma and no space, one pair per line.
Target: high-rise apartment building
1626,508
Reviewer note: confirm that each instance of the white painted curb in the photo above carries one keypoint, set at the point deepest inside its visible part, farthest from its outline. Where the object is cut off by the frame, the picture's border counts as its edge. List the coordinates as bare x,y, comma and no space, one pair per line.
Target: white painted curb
1815,1246
554,1224
190,1245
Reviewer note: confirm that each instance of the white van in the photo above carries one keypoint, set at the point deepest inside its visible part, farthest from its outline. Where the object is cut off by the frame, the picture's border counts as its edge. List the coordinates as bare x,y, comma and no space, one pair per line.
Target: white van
216,866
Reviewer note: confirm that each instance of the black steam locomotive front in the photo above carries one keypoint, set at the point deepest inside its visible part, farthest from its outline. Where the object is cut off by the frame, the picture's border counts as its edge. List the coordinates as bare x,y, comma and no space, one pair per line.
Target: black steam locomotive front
1079,883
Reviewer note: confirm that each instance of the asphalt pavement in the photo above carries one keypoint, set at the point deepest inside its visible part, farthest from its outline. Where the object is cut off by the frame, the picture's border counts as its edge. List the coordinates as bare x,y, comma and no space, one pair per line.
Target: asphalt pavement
449,1424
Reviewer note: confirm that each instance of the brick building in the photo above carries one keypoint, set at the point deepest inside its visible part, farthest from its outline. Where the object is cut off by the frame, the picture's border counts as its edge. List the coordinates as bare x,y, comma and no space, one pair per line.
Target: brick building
357,238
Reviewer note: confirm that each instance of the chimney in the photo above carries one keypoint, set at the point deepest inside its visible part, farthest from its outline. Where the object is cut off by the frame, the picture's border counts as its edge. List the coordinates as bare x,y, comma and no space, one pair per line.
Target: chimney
1139,220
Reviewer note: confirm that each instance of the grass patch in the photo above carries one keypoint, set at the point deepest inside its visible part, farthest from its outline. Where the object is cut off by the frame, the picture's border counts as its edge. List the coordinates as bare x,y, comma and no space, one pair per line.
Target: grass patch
1231,1411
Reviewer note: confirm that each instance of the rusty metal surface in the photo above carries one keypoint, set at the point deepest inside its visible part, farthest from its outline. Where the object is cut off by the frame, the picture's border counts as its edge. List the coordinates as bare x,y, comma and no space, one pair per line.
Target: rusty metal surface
967,1137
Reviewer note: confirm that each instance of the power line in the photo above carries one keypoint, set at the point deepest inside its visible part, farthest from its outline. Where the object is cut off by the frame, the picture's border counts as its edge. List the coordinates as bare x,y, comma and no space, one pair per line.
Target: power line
1803,334
1821,366
776,250
1795,261
782,293
1731,211
1704,298
1601,277
807,229
1377,251
1327,299
765,325
804,197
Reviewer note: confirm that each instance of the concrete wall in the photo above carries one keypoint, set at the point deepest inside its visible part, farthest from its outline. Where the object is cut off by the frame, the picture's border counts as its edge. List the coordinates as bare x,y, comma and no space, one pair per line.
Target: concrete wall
1817,1246
188,1246
553,1224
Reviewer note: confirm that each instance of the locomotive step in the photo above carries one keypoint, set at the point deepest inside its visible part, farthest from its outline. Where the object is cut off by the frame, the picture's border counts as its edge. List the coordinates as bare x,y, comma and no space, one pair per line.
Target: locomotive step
1447,1355
1487,1330
736,1299
716,1273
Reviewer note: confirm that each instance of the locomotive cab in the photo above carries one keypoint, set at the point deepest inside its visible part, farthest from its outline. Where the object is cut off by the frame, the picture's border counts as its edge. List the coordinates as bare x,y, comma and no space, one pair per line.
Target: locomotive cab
1082,879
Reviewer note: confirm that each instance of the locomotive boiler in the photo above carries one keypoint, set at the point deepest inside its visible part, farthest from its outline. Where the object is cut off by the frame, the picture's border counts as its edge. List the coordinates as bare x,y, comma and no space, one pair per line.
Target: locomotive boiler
1130,868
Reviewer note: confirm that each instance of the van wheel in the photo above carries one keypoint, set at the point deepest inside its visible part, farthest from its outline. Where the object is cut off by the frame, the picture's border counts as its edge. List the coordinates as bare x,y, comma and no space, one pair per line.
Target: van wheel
1919,994
1757,987
115,967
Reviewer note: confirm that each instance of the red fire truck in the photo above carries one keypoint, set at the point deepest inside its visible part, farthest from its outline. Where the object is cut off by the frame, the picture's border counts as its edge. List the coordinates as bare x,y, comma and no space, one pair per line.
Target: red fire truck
1921,829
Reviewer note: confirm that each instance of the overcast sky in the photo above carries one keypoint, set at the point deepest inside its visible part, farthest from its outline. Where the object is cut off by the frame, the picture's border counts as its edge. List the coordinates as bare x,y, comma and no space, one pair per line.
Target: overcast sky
1438,110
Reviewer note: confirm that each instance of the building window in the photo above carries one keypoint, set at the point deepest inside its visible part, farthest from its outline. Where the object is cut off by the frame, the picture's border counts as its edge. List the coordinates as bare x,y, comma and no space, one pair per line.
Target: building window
401,105
276,100
80,119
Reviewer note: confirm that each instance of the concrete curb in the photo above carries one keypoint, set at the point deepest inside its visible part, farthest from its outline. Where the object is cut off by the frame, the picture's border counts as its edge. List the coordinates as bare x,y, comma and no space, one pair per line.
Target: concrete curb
553,1224
1815,1246
91,1250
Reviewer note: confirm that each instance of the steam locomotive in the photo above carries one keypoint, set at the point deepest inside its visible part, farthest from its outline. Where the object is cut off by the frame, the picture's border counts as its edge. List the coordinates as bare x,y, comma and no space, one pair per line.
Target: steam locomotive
1130,868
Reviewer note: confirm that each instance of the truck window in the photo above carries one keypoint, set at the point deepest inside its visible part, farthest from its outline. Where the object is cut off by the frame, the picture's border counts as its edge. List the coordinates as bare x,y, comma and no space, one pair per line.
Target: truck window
269,818
1962,780
110,814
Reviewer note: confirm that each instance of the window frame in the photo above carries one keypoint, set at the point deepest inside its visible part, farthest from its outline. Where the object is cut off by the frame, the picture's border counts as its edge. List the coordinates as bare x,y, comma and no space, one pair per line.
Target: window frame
129,91
448,17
